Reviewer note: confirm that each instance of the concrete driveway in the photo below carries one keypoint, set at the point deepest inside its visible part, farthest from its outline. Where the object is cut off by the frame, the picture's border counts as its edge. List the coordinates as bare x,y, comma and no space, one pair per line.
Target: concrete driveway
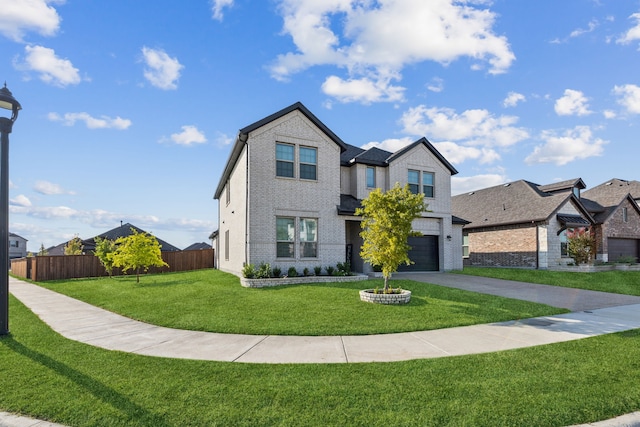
556,296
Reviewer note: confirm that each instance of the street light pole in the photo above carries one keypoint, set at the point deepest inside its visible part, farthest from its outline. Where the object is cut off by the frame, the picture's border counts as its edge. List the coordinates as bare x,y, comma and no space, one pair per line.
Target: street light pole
8,102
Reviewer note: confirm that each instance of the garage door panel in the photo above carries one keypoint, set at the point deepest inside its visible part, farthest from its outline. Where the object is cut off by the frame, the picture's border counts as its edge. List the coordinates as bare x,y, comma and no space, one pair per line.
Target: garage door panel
622,248
424,253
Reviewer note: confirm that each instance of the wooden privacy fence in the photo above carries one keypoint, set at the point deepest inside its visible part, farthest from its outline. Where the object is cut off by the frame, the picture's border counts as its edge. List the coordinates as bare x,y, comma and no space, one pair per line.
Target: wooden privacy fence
43,268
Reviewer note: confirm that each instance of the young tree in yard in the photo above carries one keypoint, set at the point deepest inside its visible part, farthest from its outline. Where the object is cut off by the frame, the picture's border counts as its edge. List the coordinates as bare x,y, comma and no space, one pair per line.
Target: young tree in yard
580,245
139,250
43,251
386,226
74,246
105,250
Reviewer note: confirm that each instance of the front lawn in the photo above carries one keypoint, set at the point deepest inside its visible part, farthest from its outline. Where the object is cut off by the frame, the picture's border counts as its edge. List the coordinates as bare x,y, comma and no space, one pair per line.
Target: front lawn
47,376
617,282
210,300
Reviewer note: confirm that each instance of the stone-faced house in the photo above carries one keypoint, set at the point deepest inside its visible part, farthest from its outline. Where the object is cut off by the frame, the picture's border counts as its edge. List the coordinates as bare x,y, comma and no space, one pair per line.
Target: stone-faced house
290,188
614,206
520,224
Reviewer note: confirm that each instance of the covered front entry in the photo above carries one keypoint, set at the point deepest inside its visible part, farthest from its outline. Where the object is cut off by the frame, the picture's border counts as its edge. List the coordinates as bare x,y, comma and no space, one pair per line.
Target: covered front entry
424,253
622,248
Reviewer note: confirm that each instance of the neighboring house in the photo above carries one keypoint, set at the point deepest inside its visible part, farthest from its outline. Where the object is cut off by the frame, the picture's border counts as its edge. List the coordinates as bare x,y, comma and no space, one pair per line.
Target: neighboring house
124,230
289,191
614,206
520,224
197,247
17,246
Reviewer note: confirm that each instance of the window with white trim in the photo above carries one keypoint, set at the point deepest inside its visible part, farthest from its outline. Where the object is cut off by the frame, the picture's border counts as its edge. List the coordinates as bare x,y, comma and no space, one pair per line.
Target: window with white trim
285,237
421,182
371,177
308,163
465,246
308,237
285,158
625,215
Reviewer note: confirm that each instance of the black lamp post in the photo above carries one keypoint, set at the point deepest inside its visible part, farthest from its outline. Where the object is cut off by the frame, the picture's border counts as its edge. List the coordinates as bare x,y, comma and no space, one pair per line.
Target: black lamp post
8,102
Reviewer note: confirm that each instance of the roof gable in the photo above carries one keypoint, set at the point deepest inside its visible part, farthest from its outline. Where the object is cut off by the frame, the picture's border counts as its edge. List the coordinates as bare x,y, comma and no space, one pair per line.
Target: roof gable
243,136
612,192
423,141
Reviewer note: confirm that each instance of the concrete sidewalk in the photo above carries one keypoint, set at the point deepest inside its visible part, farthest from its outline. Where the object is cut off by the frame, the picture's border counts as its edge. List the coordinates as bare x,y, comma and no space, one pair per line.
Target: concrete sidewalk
83,322
602,314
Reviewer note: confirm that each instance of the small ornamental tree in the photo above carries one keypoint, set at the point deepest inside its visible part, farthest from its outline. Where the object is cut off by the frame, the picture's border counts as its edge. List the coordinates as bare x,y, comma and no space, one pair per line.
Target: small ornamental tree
43,251
105,250
139,250
386,226
74,246
580,245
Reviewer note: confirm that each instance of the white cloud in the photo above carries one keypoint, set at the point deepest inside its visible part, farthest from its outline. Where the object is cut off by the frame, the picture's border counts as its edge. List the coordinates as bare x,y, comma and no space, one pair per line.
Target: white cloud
222,139
378,39
456,153
474,127
629,97
573,103
104,122
573,144
436,85
362,90
392,145
513,98
20,16
609,114
460,185
161,70
49,188
633,33
593,24
190,135
52,70
20,200
218,6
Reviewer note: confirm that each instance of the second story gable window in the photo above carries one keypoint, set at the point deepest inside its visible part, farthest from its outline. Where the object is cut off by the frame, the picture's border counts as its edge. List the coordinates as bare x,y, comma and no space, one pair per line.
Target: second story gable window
284,160
428,188
413,179
371,177
625,215
308,163
421,182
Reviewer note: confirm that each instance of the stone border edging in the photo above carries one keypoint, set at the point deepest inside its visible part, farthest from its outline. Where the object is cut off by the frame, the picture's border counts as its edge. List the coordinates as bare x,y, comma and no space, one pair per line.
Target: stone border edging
279,281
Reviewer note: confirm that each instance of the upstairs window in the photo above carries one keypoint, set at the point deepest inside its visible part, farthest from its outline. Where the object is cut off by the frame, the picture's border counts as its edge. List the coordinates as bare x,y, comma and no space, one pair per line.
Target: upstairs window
308,163
414,181
371,177
428,188
284,160
14,243
625,215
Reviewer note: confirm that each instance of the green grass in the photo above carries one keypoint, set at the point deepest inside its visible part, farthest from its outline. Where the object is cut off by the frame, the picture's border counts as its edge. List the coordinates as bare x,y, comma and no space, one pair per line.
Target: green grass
617,282
46,376
210,300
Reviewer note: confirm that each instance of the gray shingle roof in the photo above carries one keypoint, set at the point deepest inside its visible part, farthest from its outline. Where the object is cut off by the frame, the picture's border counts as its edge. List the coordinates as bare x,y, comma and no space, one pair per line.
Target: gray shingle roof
518,202
612,192
567,185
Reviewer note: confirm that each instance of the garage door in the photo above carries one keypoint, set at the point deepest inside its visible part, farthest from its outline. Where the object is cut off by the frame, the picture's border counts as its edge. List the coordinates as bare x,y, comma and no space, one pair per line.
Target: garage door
424,254
622,248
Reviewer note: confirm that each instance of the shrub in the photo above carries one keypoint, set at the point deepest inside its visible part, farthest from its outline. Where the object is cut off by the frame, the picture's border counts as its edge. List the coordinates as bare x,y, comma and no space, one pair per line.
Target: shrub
627,259
329,270
580,245
344,268
264,271
317,270
306,271
276,272
292,272
249,271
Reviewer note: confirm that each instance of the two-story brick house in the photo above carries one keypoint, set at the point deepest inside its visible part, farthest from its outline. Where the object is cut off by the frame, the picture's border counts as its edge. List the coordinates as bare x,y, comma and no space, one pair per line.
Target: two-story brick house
289,190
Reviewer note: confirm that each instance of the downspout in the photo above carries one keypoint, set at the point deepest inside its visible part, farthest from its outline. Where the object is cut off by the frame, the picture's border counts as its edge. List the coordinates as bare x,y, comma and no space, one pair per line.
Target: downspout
243,137
537,247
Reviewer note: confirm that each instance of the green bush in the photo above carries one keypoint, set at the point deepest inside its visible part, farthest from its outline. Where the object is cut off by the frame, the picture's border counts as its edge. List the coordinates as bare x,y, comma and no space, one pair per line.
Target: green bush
249,271
330,269
264,271
317,270
292,272
344,268
276,272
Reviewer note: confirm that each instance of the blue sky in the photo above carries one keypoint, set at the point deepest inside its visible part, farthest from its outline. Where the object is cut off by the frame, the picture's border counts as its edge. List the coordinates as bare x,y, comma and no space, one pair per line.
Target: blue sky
130,108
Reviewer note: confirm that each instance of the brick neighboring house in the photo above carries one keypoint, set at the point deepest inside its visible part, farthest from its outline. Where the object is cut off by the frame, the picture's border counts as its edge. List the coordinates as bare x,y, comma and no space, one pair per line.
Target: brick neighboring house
614,206
520,224
17,246
289,190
